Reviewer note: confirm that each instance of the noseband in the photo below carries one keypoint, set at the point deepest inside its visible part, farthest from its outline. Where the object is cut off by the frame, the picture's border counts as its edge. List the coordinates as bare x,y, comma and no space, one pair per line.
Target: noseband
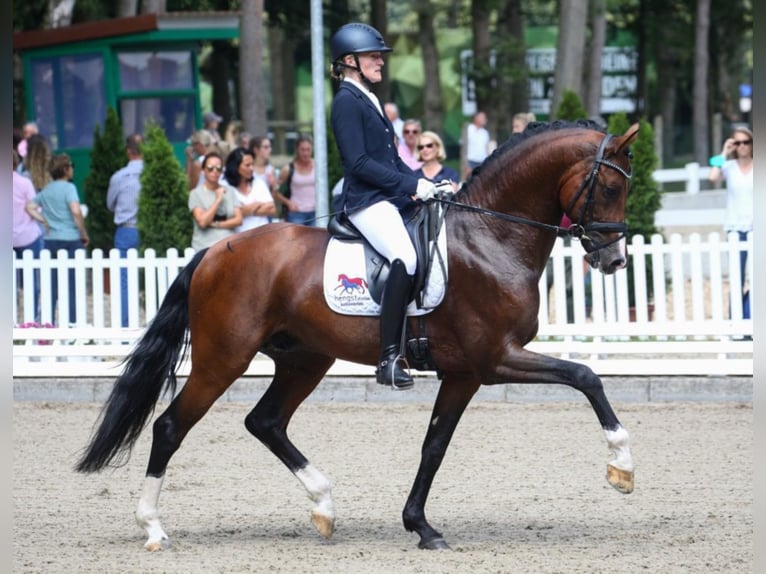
581,230
578,230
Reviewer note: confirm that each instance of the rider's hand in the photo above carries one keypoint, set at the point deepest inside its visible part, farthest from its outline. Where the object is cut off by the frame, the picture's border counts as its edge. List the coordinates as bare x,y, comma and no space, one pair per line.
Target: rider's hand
446,187
426,189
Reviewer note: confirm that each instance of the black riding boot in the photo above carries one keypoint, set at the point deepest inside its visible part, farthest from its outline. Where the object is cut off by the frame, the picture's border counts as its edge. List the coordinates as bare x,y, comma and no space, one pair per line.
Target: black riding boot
393,311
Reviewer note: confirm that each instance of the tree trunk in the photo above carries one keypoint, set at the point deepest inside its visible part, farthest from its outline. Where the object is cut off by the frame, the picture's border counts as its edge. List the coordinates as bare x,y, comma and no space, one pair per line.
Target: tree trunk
153,6
569,50
596,49
667,62
433,108
379,21
701,93
252,91
482,71
127,8
513,93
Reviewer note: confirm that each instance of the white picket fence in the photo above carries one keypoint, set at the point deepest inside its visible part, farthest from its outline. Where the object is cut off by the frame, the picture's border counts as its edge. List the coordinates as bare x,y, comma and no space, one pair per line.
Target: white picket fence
690,174
692,325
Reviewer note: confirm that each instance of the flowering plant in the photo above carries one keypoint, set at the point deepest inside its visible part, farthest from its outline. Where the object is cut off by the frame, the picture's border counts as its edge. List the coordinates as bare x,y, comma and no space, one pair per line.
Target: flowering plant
34,325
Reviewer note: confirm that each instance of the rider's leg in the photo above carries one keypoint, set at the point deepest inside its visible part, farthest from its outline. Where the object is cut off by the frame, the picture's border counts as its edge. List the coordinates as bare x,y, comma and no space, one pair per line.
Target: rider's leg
382,226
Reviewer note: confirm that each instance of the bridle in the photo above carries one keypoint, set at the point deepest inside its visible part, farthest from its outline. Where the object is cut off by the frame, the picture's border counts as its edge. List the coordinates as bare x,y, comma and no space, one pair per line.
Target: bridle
578,230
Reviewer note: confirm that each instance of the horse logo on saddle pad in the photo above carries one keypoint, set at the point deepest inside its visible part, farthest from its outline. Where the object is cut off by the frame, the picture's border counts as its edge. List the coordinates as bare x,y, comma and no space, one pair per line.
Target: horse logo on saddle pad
355,274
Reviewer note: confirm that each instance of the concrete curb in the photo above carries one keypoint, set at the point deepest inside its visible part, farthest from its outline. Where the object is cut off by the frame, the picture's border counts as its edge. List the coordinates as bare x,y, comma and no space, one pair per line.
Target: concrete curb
365,389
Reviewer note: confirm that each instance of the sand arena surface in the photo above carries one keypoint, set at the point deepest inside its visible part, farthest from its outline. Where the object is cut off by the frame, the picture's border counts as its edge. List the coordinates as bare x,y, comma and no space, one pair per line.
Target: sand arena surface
521,489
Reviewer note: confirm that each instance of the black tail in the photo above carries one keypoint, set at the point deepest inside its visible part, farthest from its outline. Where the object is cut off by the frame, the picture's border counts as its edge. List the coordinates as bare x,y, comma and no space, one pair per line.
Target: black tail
149,369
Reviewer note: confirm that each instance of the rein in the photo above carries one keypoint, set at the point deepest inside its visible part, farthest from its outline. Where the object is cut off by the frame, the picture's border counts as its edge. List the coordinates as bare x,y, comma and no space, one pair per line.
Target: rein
575,230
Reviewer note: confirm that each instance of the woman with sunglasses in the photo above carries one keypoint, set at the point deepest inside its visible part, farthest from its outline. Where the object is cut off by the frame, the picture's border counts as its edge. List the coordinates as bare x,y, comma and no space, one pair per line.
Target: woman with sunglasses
379,190
431,153
735,166
214,205
255,200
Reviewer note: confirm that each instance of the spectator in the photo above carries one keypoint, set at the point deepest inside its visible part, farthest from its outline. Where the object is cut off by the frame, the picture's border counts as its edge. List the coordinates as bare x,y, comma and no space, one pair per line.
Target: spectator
521,120
379,188
36,165
122,199
27,233
297,184
255,201
199,145
477,142
232,135
63,219
210,123
243,140
431,153
214,205
262,168
409,144
392,113
29,129
735,166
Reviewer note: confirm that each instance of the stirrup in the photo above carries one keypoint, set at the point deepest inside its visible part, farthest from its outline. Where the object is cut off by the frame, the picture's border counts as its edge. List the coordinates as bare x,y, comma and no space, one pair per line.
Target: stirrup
405,379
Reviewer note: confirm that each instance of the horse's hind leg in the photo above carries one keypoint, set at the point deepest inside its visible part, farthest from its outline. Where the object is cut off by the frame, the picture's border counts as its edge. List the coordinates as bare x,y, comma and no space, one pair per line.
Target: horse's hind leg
296,376
169,430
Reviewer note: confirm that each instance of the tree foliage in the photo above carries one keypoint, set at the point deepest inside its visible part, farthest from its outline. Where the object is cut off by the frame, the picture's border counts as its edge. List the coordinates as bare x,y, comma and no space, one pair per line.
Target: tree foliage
571,107
644,199
106,157
163,213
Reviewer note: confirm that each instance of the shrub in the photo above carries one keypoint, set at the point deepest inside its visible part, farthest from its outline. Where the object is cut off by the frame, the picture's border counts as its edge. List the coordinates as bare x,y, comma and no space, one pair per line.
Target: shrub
571,107
644,199
106,157
164,220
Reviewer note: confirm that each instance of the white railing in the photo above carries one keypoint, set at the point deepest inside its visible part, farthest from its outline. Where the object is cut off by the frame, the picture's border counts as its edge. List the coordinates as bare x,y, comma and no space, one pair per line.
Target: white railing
690,174
691,324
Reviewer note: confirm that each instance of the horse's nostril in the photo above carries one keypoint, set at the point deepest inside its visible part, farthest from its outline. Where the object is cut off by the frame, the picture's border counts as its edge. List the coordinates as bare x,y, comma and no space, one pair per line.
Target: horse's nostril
617,264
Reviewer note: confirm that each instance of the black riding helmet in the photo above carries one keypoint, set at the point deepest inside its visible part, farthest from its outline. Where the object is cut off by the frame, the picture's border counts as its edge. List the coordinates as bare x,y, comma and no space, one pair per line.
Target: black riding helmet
356,38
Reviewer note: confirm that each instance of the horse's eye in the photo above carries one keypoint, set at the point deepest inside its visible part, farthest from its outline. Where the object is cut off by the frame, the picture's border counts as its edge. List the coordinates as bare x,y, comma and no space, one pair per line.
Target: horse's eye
611,191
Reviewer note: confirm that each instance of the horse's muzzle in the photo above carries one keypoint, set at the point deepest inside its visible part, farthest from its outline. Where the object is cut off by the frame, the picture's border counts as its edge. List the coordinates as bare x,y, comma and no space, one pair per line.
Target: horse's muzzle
610,258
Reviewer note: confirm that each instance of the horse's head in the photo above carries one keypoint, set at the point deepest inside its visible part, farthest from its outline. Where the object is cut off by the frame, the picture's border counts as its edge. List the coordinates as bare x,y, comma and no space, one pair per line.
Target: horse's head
595,201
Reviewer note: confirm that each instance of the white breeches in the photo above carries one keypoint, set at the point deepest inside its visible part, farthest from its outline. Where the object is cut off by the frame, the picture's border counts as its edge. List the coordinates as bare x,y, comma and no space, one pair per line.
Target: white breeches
382,225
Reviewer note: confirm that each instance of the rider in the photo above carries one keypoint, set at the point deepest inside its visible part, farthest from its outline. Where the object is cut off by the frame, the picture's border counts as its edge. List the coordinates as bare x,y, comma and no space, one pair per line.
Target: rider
378,188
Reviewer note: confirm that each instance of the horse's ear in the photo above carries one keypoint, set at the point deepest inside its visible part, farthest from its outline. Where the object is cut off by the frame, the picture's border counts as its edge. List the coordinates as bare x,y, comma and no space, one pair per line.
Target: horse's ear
628,137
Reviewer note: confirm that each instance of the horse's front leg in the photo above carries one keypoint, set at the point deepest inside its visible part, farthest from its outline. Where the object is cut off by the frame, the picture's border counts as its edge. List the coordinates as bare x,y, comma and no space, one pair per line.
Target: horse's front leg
523,366
454,395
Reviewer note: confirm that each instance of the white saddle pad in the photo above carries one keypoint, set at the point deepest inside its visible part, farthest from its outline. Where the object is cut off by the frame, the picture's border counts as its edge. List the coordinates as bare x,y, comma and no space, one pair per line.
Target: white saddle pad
345,280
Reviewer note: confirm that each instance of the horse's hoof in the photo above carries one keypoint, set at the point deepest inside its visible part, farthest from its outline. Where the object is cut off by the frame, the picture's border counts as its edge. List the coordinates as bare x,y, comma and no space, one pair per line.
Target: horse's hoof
157,545
434,544
621,480
324,524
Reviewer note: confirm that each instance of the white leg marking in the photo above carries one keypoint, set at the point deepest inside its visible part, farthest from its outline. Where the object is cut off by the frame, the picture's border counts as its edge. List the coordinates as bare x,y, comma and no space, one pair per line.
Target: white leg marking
148,514
320,491
619,443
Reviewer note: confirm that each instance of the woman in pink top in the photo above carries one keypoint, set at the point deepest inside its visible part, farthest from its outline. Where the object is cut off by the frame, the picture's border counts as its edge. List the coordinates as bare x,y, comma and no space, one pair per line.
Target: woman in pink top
301,203
27,233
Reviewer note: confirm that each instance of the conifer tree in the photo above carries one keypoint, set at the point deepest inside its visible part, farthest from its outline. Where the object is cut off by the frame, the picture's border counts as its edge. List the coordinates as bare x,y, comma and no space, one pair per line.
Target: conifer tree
645,197
164,220
571,107
107,156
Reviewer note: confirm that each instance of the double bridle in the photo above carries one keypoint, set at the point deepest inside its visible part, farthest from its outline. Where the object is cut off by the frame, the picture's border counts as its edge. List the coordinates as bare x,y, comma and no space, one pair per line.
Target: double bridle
577,230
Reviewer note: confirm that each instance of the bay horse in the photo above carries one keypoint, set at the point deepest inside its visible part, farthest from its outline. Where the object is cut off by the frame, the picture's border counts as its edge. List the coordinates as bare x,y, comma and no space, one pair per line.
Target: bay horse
261,291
